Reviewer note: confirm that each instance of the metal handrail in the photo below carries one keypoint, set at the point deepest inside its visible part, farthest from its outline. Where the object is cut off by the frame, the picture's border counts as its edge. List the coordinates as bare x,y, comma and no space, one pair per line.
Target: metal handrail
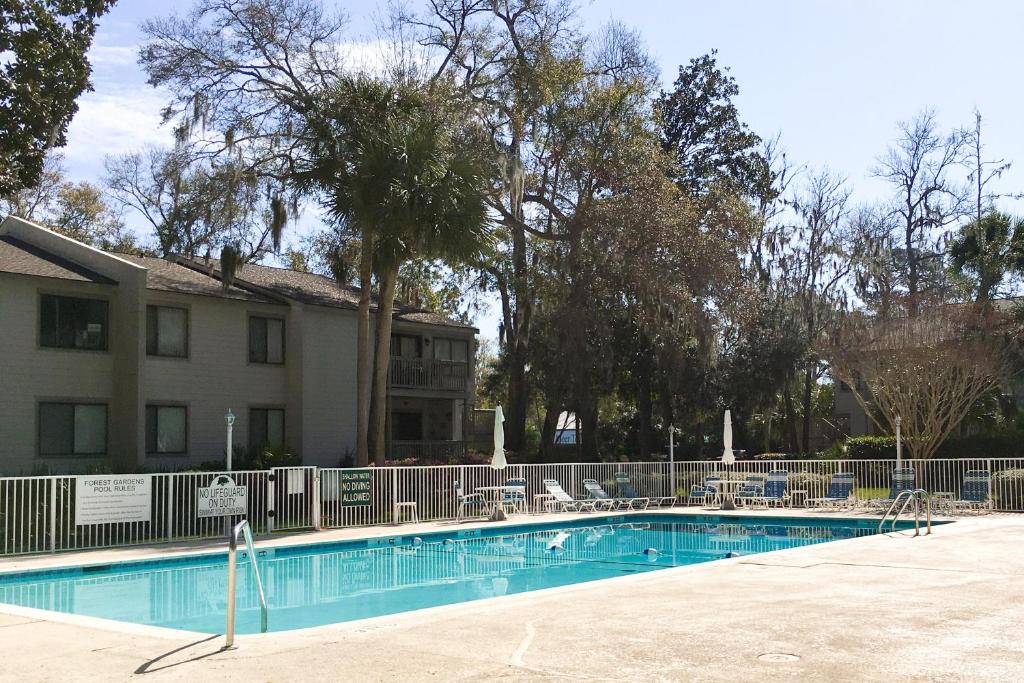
914,496
246,531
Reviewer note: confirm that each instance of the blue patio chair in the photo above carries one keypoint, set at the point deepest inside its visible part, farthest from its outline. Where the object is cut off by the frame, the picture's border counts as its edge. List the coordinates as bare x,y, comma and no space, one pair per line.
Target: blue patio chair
903,479
622,480
516,498
469,502
628,493
838,493
775,489
752,489
709,492
602,500
976,493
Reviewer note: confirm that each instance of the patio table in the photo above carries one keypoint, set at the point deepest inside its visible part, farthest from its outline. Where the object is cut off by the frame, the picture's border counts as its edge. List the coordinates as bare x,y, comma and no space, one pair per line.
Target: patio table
494,495
728,488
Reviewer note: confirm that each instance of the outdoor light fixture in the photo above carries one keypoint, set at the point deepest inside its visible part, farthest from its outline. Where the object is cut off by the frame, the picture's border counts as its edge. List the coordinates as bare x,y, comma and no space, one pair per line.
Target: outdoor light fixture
229,420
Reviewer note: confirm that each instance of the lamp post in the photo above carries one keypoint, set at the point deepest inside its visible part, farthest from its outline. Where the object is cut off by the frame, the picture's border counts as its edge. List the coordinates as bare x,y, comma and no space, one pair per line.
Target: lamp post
229,420
899,443
672,458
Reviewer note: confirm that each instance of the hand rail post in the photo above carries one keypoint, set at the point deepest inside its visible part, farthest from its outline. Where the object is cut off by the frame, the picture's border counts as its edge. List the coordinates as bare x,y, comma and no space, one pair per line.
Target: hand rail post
229,631
246,531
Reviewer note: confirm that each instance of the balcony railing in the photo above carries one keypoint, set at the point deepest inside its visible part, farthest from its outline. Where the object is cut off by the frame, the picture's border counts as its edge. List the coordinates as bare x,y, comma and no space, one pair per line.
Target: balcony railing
430,451
428,373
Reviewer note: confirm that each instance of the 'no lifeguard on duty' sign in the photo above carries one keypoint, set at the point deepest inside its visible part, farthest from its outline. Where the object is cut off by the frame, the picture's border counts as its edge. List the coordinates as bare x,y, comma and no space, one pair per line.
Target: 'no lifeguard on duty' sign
222,498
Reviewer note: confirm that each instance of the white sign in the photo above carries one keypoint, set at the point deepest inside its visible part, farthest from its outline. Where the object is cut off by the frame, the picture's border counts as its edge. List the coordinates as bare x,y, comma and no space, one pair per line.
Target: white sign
113,498
223,498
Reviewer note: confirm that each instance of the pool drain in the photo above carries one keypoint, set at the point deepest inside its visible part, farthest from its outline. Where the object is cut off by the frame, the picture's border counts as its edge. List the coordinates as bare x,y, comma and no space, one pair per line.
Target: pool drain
777,657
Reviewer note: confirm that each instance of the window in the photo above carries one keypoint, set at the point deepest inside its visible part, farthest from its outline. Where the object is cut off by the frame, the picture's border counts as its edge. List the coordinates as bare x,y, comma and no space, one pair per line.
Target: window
451,349
70,323
72,429
405,346
166,429
266,340
266,427
166,331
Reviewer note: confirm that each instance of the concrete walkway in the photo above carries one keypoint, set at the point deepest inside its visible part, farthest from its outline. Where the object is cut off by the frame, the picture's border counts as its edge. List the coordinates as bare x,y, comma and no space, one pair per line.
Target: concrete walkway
946,607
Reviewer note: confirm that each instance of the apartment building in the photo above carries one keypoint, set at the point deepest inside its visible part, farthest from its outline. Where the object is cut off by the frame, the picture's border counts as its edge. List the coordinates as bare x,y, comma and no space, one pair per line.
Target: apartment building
133,361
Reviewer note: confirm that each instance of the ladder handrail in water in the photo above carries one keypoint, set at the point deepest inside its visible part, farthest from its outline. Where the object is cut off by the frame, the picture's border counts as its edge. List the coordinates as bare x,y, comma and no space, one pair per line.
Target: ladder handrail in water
246,531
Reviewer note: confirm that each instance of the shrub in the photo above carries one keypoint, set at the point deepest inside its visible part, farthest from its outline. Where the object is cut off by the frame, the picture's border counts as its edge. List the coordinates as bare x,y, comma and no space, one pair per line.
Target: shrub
1009,444
1008,489
814,484
872,448
775,456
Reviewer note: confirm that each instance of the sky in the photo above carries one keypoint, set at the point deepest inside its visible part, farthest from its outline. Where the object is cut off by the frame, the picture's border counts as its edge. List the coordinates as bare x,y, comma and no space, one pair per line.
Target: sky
831,78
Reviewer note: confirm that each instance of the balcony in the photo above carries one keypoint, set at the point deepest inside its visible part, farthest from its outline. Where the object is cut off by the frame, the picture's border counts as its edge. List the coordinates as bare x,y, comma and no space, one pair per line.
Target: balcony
427,373
429,451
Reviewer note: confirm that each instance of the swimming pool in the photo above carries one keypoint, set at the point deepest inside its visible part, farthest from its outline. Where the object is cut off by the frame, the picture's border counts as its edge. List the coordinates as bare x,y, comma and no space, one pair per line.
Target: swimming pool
325,583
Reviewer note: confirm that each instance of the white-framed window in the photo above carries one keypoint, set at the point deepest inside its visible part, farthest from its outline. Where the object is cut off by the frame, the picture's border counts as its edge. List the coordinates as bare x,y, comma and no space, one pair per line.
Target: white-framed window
167,331
72,429
166,429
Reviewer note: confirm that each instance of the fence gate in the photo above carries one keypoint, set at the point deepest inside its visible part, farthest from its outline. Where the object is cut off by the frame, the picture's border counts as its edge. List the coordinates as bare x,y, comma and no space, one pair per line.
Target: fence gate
293,493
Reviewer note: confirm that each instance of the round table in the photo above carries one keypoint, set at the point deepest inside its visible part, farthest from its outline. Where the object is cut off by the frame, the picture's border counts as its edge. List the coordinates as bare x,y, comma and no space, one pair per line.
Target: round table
496,493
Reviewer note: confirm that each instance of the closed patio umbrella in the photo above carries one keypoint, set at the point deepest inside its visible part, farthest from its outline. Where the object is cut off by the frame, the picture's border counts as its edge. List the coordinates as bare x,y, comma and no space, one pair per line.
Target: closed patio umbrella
727,456
498,460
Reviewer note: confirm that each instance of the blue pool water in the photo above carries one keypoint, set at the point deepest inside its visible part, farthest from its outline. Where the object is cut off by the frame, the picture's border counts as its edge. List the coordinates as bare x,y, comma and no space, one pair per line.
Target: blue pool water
312,585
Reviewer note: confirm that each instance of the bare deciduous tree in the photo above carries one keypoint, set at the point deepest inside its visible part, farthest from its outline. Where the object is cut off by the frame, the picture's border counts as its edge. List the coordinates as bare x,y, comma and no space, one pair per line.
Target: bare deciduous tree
927,197
927,369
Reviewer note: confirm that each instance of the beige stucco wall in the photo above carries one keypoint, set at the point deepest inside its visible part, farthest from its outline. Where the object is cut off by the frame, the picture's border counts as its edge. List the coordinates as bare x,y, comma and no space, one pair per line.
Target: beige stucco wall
328,385
29,374
216,376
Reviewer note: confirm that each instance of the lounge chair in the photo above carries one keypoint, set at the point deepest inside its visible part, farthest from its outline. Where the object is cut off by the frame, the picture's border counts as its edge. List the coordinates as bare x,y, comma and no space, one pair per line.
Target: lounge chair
774,491
565,502
628,493
709,491
752,489
471,502
838,493
976,493
515,498
627,489
903,479
602,501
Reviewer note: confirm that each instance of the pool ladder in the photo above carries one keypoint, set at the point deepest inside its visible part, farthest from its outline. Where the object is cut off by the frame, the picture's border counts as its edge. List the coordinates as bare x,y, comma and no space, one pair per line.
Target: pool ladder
246,532
908,497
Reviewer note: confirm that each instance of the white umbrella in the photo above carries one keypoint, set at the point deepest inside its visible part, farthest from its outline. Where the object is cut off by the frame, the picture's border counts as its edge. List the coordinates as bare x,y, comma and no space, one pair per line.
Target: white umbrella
498,461
727,457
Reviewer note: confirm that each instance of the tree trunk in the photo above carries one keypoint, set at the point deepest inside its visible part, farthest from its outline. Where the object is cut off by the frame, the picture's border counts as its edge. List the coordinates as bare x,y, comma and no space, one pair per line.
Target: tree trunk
588,426
363,357
808,388
547,435
385,307
787,397
644,412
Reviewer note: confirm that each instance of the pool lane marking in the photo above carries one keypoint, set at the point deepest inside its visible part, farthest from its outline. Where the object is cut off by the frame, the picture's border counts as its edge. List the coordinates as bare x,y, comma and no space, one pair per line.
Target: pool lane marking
524,645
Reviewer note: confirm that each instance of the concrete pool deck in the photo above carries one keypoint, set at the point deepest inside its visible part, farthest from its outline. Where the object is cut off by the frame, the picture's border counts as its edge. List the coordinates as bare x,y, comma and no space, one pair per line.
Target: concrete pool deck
942,607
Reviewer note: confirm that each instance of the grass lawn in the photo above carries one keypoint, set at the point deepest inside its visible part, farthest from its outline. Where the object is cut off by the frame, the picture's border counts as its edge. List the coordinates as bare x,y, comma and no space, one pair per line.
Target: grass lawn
872,493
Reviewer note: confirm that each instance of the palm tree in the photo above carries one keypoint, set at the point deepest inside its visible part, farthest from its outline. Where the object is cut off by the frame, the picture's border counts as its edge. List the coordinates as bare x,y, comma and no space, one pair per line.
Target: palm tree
391,167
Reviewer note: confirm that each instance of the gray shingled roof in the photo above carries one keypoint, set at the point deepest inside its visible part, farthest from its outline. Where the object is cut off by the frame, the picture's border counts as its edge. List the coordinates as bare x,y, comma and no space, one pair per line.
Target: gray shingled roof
166,276
320,290
25,259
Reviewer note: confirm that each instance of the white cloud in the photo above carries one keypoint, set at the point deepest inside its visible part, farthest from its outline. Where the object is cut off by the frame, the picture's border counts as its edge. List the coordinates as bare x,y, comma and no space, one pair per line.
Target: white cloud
113,55
113,123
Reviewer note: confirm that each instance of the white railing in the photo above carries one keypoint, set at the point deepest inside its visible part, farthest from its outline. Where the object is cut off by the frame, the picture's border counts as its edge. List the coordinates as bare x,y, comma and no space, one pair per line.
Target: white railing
37,513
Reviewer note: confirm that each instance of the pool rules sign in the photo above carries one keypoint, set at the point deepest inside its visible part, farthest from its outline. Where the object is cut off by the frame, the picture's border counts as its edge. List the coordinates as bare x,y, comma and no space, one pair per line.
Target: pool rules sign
222,498
113,498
